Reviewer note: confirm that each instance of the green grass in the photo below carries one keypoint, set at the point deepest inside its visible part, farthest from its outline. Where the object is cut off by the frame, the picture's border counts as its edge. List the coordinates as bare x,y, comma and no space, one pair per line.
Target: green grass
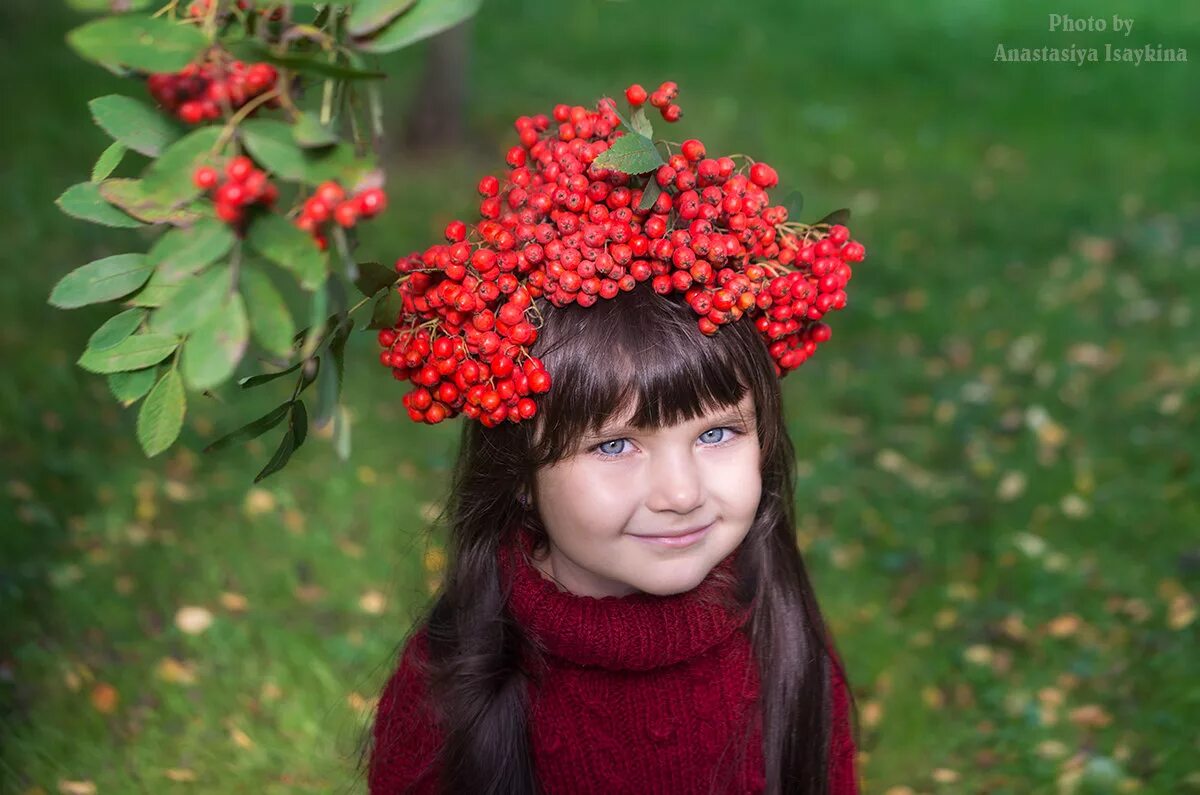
1002,432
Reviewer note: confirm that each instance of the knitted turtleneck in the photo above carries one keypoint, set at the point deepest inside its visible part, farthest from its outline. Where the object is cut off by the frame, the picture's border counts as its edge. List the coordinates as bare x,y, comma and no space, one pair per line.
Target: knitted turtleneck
639,694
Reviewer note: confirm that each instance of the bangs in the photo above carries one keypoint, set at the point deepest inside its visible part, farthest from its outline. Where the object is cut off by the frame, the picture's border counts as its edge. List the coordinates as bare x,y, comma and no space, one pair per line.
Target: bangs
641,356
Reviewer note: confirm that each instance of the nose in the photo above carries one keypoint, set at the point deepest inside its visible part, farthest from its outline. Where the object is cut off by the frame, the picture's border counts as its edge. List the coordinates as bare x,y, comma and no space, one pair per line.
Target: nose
675,484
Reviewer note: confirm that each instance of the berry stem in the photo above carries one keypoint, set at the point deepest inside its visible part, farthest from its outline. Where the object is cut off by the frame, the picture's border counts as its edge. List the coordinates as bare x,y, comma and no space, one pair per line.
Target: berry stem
240,116
169,8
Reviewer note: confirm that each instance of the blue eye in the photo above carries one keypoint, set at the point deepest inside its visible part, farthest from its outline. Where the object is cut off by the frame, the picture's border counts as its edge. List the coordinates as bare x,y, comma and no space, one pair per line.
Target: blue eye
609,453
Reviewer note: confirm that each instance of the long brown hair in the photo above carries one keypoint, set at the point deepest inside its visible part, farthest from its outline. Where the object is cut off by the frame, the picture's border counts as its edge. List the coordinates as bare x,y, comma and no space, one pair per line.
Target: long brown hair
644,347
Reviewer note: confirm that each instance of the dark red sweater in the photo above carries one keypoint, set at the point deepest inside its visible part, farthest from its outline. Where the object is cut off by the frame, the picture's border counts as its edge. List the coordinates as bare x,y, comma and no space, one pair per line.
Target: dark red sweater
640,695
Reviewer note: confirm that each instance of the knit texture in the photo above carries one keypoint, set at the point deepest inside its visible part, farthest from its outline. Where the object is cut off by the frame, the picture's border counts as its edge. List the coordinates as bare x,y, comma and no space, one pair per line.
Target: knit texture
640,694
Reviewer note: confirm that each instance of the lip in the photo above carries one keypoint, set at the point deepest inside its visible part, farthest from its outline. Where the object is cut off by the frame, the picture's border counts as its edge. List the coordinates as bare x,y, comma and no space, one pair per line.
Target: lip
687,538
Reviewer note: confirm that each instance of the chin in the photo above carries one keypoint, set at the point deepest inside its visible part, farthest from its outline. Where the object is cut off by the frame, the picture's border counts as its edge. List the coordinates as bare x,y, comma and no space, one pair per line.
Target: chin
678,577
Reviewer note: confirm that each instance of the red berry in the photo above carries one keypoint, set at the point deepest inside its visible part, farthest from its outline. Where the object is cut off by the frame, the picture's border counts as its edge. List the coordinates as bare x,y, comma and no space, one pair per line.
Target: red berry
330,192
672,113
191,112
489,186
763,175
317,210
205,177
372,201
346,214
693,150
636,95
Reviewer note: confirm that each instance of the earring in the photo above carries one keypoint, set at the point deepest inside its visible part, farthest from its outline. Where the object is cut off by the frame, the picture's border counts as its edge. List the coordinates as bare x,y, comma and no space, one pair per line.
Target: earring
523,498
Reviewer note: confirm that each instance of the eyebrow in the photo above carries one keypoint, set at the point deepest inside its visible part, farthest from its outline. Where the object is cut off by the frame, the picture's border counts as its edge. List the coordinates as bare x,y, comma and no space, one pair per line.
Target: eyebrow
731,414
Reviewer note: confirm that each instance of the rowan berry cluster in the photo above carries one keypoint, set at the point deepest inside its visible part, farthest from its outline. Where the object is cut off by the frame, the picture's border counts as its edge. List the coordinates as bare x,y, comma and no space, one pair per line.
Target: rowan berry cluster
329,203
198,9
566,228
203,92
244,187
663,99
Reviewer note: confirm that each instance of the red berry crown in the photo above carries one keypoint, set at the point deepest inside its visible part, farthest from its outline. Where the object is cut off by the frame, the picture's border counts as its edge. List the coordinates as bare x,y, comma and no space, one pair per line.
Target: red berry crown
568,224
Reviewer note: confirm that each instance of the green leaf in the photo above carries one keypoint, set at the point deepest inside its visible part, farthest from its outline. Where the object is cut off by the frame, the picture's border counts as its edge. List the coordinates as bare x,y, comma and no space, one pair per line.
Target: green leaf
291,248
428,18
311,134
841,216
251,430
187,250
196,300
107,6
84,201
341,433
270,321
373,277
130,387
213,350
630,154
116,329
169,178
299,422
272,145
103,280
794,203
316,64
161,417
329,390
649,194
133,123
132,353
138,41
369,16
251,381
181,253
108,161
132,197
287,445
387,310
640,124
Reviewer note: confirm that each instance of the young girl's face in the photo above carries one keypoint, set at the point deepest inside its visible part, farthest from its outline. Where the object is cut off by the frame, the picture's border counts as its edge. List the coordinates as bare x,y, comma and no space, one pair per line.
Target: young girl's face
621,486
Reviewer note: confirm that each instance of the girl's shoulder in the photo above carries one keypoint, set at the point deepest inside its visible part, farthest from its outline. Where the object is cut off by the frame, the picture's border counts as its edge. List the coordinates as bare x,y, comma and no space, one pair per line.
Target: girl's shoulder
405,733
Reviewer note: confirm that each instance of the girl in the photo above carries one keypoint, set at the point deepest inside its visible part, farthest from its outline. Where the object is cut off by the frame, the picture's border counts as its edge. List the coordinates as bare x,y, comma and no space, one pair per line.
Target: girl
625,608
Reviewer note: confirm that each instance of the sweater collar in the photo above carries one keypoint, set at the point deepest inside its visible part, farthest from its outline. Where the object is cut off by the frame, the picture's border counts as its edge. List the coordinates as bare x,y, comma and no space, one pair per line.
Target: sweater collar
637,632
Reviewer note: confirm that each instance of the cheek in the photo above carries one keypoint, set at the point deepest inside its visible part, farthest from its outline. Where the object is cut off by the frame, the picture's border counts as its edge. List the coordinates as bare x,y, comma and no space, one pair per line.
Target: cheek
737,480
582,497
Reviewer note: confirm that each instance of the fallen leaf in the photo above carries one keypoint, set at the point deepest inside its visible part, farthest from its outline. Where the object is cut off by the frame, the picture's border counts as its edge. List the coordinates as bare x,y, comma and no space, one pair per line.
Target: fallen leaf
105,698
193,620
1090,716
176,672
257,502
180,774
1051,749
944,775
1064,626
372,602
1181,612
1011,486
435,560
978,654
240,738
76,787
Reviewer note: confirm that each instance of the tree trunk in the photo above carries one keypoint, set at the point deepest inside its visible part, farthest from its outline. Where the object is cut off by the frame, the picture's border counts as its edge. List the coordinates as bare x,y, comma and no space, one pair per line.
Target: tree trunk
436,117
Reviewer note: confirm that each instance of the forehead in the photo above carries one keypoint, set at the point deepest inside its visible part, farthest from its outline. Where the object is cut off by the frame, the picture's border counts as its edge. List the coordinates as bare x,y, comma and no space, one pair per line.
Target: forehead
744,408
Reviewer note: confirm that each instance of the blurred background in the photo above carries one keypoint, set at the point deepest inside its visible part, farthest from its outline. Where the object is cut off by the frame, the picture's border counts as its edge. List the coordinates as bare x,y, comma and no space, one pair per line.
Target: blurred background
998,491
